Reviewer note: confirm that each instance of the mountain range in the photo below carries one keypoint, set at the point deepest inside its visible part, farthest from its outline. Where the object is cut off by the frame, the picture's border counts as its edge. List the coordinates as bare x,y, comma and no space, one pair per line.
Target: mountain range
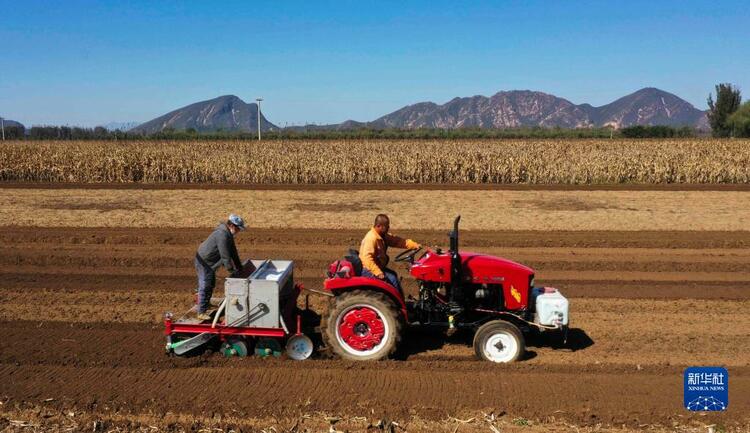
7,123
226,113
526,108
506,109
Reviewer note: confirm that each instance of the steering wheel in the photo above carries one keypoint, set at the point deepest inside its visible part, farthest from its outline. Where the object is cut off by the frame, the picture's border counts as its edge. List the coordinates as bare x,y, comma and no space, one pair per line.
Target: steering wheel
407,256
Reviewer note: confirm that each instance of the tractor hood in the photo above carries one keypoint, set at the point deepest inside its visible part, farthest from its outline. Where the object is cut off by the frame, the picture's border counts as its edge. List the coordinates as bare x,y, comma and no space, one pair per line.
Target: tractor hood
484,264
478,268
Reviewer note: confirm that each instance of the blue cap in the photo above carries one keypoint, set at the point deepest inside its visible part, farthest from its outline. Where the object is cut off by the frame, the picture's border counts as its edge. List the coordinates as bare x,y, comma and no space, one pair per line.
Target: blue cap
237,220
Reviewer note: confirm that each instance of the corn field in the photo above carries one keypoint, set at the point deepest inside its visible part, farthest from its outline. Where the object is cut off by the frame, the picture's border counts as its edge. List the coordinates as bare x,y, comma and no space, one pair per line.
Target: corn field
586,161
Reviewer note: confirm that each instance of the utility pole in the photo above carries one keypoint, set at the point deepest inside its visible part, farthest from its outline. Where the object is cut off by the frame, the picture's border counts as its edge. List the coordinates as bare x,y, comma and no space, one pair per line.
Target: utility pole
258,100
2,124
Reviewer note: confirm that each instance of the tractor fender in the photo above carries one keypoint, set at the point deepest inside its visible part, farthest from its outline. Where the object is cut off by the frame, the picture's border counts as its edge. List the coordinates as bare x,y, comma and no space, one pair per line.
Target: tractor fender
337,286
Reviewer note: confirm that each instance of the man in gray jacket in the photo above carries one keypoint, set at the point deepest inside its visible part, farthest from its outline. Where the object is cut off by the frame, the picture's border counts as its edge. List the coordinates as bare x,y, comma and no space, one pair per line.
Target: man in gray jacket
216,251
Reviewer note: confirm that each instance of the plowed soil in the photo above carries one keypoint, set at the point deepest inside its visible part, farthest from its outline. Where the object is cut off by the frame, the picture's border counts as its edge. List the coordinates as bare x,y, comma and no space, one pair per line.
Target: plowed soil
80,312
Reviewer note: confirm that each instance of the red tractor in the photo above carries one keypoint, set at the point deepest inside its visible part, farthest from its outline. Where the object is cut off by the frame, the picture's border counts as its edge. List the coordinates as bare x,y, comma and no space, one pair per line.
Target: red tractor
492,296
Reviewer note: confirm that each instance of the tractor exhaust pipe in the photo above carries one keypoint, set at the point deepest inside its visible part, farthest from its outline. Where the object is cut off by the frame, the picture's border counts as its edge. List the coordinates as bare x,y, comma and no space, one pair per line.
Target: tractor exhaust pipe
453,236
456,274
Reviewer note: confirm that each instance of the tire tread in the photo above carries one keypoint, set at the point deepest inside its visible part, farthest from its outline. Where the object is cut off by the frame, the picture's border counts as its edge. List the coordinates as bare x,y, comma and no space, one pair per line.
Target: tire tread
485,330
328,330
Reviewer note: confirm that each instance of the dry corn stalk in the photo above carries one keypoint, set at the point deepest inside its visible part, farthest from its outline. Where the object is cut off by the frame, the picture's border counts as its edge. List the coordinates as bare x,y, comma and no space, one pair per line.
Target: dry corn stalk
584,161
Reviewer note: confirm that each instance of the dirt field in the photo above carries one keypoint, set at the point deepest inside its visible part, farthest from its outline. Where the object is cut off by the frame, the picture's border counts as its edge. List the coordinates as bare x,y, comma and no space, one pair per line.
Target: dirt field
80,308
349,209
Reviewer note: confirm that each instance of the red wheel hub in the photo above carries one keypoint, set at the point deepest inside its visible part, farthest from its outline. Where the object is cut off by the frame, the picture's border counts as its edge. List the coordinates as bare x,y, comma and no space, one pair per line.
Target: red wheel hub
362,328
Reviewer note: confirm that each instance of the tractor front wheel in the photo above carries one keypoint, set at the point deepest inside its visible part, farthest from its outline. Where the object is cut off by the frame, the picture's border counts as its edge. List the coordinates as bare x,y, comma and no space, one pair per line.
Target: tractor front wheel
363,325
499,341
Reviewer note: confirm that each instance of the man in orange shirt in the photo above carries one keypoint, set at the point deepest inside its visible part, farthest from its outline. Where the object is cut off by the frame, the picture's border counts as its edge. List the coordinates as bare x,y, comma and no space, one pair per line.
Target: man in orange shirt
373,251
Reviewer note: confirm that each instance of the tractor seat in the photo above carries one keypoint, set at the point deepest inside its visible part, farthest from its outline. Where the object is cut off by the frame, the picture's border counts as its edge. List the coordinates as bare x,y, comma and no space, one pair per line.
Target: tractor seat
353,257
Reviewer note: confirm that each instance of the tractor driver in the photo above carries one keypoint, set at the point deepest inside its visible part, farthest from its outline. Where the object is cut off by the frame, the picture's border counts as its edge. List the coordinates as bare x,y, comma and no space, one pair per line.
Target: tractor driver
373,251
219,249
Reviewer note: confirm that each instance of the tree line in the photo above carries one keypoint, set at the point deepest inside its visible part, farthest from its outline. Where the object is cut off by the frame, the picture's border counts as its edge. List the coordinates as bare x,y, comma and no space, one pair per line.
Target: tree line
100,133
15,132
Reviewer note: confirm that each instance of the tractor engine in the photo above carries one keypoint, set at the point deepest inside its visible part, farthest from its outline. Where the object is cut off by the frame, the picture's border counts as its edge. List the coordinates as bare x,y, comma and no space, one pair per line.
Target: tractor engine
433,304
487,296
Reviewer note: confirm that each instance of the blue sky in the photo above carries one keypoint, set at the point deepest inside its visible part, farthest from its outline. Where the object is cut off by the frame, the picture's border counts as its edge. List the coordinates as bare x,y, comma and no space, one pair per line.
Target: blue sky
87,63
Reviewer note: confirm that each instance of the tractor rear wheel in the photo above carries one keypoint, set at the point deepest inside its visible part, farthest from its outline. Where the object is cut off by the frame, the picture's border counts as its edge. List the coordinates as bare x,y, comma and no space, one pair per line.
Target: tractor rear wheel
499,341
362,325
